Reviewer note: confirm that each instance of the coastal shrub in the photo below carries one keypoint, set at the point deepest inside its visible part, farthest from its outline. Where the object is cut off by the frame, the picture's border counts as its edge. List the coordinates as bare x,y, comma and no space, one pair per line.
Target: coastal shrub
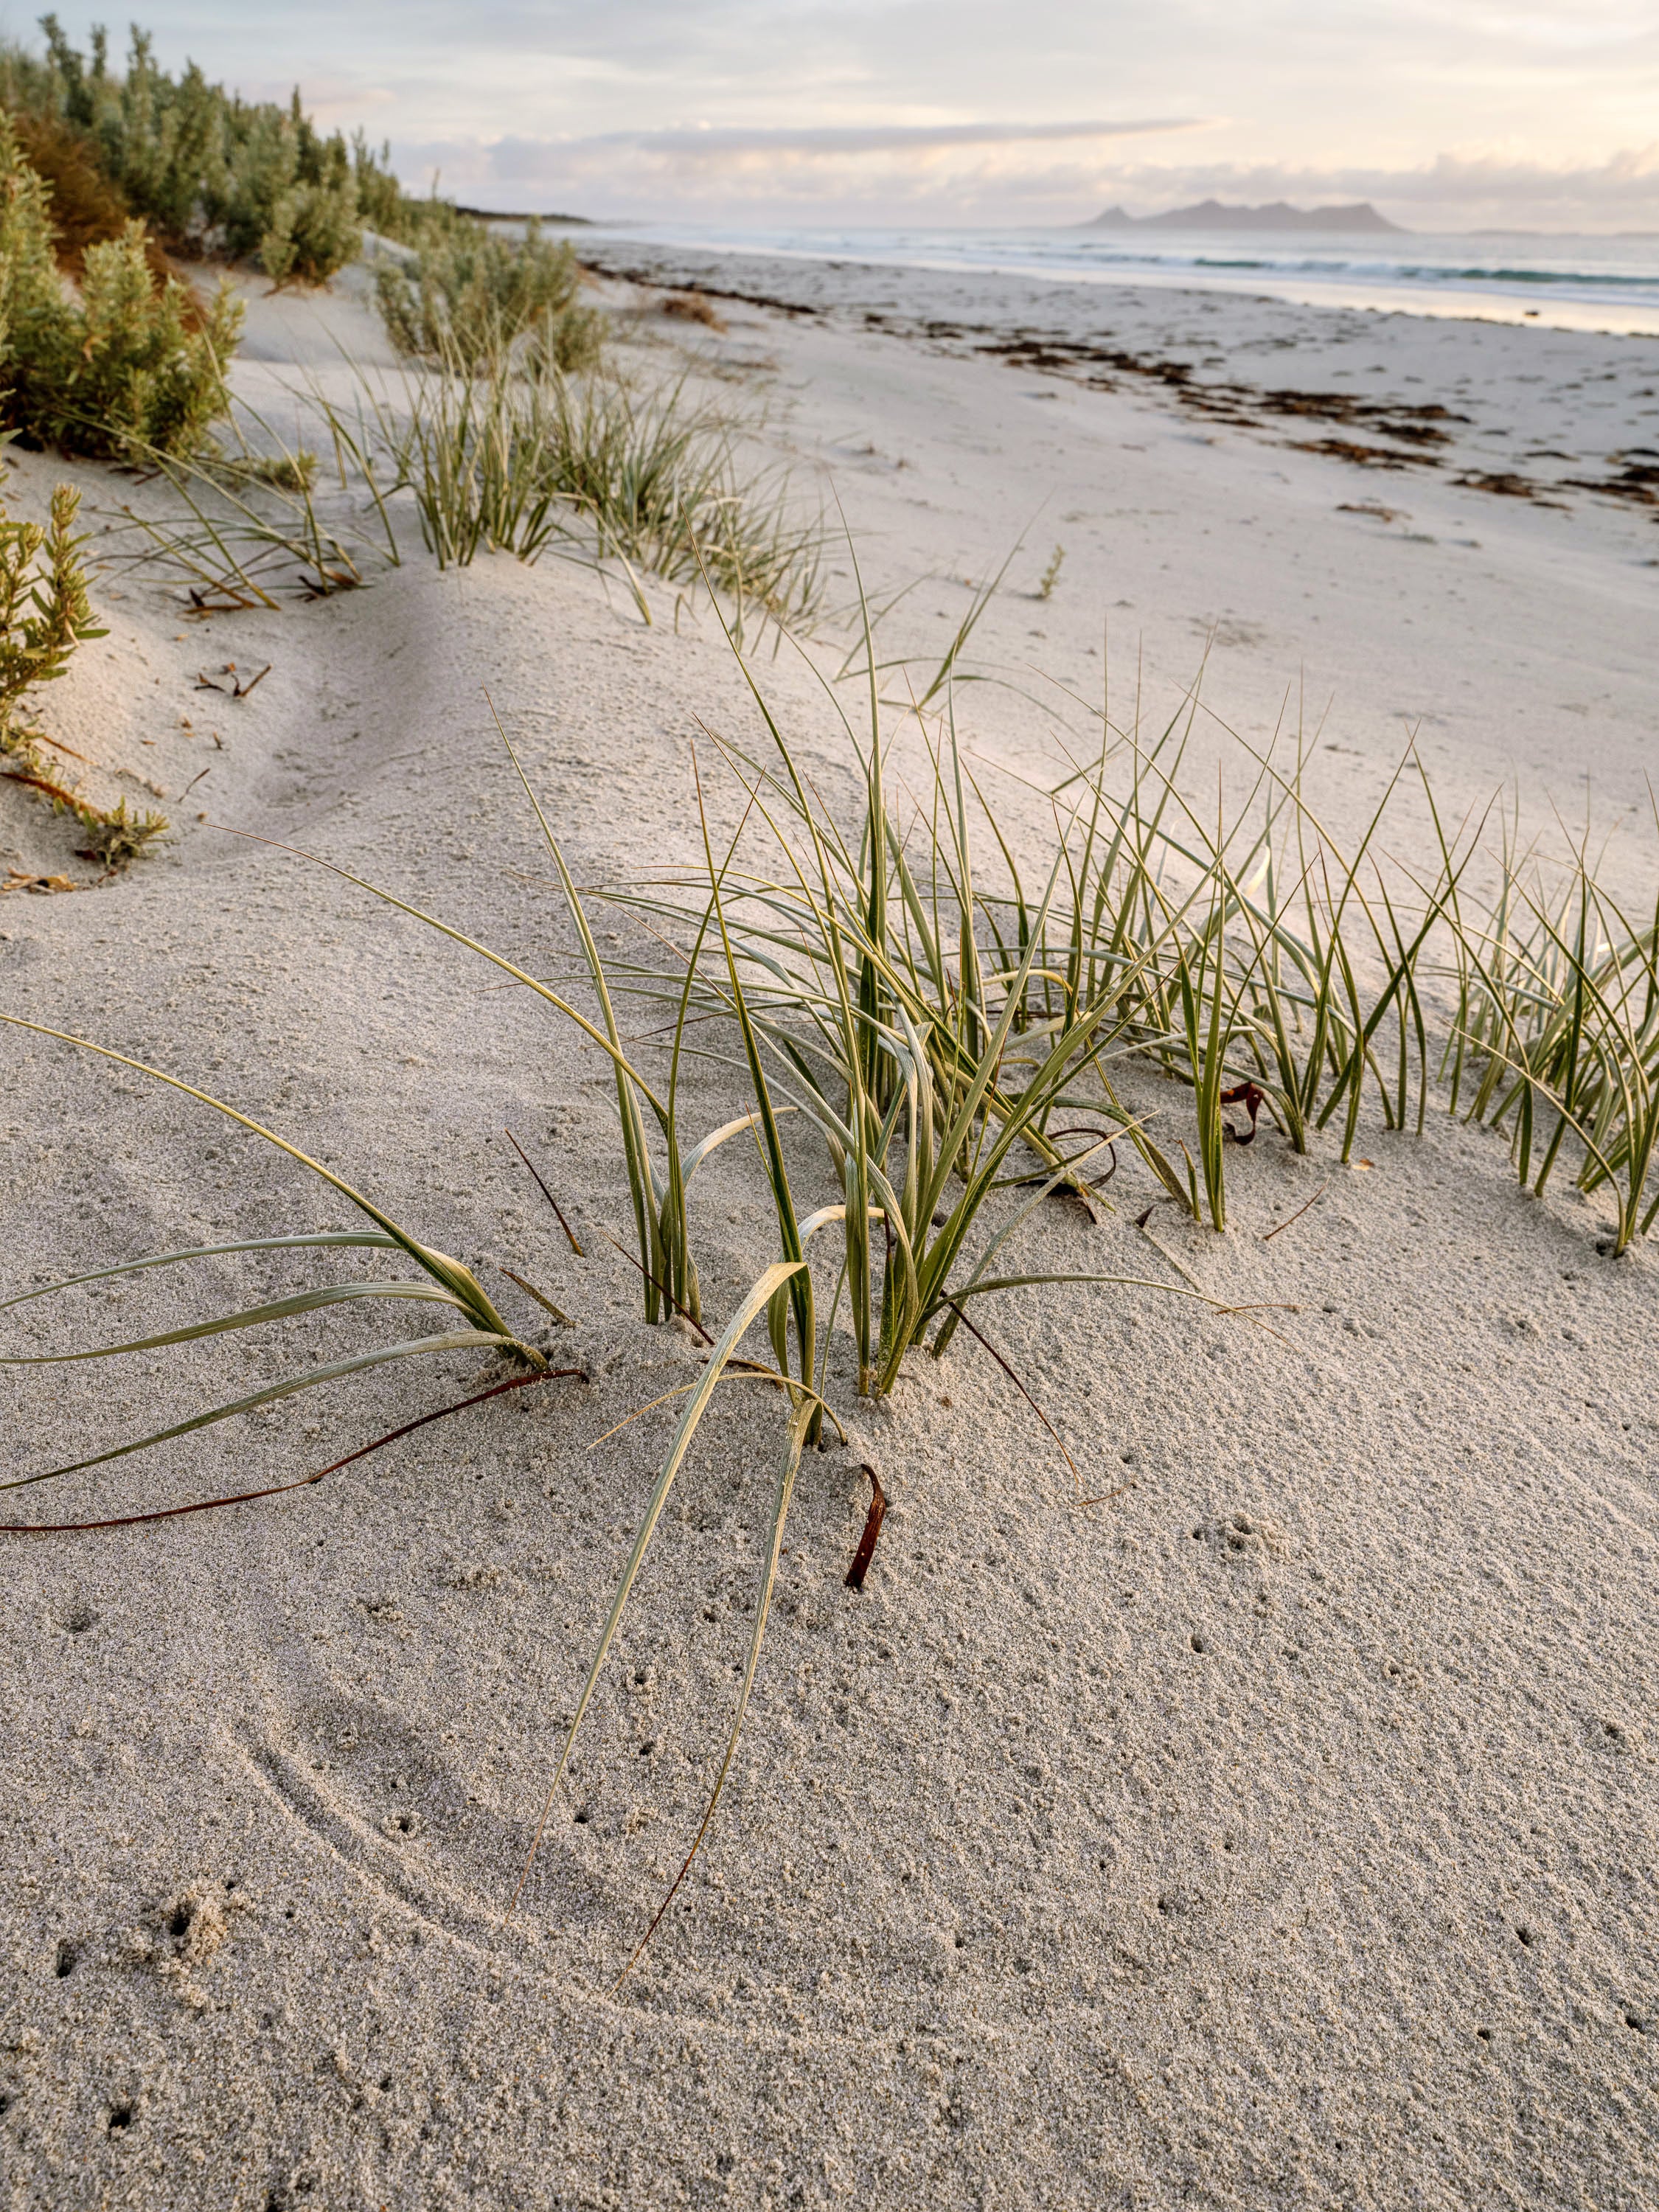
45,614
210,173
290,199
472,295
85,207
133,367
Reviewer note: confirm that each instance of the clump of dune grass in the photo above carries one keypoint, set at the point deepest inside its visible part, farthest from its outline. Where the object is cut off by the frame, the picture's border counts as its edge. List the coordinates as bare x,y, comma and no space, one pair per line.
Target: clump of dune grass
1557,1033
1284,973
526,462
255,519
590,468
946,1103
469,296
928,1050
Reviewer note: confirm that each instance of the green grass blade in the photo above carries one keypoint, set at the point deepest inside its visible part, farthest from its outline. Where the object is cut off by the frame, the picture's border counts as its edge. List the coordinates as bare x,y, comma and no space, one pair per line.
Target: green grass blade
456,1339
327,1240
757,1296
459,1281
278,1309
790,1466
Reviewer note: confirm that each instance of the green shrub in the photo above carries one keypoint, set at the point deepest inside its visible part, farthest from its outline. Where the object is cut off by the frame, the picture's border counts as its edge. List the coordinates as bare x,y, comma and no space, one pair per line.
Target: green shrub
143,379
132,368
473,295
45,614
210,172
86,208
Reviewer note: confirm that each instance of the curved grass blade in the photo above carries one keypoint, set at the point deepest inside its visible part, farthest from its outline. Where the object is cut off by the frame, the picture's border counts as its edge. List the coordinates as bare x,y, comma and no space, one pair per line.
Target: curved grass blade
325,1239
280,1489
455,1339
755,1299
799,1425
459,1281
332,1294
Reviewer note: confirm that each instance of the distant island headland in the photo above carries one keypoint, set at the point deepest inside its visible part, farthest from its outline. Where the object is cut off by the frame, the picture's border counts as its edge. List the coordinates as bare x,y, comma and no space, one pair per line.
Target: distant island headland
1276,215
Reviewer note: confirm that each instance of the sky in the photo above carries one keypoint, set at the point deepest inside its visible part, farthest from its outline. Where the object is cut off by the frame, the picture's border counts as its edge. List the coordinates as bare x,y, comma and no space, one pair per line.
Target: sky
1448,114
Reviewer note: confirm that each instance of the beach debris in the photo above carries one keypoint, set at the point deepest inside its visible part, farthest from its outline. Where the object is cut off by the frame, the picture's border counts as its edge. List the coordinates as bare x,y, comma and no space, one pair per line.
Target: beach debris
1504,484
300,1482
570,1234
18,880
541,1298
1050,575
1252,1097
1638,480
237,688
220,599
1364,457
1300,1211
980,1338
874,1519
693,305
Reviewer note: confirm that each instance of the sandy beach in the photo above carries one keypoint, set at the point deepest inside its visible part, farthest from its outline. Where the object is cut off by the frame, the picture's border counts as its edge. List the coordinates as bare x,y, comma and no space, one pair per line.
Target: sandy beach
1279,1836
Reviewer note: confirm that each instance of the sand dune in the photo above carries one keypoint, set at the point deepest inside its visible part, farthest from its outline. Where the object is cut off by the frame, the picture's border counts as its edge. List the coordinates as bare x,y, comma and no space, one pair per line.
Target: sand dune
1281,1835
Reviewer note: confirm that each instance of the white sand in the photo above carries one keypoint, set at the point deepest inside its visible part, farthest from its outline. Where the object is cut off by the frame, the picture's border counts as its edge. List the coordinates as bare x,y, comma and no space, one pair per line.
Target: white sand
1281,1837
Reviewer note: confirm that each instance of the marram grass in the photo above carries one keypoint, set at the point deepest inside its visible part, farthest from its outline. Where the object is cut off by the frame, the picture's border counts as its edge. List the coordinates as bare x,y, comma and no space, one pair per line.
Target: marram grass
929,1050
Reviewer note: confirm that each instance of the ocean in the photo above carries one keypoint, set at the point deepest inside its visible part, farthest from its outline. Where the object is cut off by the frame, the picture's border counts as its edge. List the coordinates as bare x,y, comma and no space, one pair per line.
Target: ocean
1609,284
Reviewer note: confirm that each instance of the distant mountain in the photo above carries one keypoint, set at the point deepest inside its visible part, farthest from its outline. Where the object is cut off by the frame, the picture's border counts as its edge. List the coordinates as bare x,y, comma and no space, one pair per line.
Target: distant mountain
1278,215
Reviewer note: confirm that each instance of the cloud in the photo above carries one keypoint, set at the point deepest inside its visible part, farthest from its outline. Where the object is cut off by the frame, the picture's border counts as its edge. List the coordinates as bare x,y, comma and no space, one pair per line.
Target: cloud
1014,175
833,172
847,111
712,144
1454,191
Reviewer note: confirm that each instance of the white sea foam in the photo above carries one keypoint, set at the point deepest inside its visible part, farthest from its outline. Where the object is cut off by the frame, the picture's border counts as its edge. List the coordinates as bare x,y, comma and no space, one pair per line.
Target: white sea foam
1608,282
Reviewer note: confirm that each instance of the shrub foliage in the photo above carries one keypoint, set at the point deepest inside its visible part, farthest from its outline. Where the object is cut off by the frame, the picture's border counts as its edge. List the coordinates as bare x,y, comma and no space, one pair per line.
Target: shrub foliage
210,173
131,367
45,614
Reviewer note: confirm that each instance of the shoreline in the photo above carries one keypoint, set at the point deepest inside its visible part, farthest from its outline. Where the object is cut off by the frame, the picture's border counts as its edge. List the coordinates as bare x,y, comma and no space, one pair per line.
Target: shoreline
1040,325
1288,285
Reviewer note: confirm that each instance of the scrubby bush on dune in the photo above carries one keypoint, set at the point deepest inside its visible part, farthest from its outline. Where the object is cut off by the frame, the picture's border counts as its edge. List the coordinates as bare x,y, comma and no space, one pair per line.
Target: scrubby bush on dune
290,198
209,172
473,295
86,208
45,614
132,367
